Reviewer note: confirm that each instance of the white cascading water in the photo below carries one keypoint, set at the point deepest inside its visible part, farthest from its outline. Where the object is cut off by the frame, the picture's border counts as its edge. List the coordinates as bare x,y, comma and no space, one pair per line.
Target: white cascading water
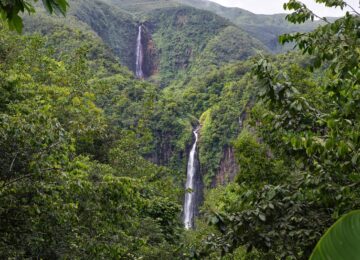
139,55
189,205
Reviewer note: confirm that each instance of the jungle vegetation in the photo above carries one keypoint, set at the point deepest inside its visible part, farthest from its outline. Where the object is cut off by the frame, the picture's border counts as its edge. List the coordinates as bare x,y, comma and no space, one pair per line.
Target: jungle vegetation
93,160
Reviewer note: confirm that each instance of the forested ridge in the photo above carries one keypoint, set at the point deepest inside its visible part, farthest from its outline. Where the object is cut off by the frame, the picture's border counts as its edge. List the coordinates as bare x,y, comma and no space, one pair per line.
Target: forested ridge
95,161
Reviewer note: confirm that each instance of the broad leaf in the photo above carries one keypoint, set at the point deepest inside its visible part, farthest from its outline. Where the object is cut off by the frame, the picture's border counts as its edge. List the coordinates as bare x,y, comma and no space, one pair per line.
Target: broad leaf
341,241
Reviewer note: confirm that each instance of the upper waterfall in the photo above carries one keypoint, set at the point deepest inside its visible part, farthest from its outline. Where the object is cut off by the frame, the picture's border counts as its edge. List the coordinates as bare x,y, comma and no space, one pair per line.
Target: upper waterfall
189,205
139,55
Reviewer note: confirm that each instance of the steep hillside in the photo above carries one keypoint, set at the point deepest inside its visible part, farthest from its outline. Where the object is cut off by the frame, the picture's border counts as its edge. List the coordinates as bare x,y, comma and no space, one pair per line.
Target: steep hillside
176,38
230,46
118,29
265,28
189,39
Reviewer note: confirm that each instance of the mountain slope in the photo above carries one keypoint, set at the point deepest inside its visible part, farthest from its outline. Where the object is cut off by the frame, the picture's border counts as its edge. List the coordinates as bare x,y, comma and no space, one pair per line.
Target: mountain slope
175,36
180,36
265,28
116,28
188,39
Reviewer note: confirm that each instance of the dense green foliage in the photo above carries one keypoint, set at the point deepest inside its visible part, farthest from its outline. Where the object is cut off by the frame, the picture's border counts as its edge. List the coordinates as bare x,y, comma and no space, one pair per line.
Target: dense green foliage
93,161
73,181
299,157
192,41
118,29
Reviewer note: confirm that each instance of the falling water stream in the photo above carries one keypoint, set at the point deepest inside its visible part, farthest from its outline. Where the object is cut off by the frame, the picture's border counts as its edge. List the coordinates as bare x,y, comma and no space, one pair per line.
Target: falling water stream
139,55
190,193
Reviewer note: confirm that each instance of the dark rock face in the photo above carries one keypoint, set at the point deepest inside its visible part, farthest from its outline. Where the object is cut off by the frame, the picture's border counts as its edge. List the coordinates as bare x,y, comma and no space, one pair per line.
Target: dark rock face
199,184
150,65
199,181
228,168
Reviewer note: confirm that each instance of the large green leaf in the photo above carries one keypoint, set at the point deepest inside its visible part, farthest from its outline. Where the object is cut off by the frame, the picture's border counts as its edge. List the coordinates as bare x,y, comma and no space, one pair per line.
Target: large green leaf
341,241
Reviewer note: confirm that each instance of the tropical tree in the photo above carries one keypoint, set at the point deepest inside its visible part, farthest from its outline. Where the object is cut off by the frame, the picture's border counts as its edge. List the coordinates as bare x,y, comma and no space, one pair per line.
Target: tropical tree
10,9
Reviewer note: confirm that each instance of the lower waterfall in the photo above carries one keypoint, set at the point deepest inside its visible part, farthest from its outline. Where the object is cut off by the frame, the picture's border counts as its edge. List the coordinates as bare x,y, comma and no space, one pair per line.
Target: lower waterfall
139,55
190,188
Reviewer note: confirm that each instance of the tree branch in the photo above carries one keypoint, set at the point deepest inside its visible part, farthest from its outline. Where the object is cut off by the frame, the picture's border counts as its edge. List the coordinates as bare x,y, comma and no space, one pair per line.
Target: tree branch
352,8
15,180
12,163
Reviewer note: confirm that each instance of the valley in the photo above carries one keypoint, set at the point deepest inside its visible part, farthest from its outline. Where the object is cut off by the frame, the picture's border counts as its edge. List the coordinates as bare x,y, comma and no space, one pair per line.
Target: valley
175,129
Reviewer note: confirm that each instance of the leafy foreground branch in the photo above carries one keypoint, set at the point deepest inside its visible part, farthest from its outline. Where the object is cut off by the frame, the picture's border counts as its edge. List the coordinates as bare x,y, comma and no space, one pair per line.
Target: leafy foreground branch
10,10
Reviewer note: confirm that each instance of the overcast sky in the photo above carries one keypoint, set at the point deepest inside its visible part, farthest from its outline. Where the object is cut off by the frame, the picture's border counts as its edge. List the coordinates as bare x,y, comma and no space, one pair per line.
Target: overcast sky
275,6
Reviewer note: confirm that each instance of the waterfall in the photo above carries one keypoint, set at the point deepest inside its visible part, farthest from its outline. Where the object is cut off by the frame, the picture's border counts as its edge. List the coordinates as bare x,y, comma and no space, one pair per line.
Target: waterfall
190,193
139,55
